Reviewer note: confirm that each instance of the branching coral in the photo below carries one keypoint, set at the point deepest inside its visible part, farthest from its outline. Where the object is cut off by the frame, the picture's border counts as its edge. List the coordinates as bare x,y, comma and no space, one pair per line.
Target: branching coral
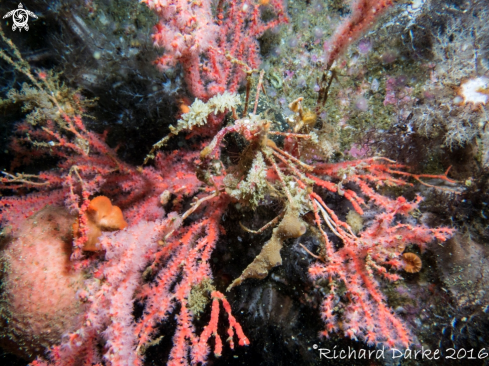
356,258
163,260
157,259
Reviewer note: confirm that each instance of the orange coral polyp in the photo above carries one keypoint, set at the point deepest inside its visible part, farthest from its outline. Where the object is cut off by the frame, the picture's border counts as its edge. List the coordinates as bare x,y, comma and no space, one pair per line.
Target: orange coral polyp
412,262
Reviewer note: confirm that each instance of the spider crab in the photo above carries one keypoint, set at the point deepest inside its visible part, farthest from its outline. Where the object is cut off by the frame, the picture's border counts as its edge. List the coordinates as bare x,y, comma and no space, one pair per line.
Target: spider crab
266,169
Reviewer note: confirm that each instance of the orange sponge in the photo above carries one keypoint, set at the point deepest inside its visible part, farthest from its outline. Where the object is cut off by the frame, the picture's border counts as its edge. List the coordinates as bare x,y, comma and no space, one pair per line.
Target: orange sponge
101,216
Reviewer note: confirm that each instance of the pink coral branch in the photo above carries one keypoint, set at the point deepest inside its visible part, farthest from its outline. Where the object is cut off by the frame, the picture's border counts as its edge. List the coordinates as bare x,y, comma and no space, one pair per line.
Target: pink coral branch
364,15
211,51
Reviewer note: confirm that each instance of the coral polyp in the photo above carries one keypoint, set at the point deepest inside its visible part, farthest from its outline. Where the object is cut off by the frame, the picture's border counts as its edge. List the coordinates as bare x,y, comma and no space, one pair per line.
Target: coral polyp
474,90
